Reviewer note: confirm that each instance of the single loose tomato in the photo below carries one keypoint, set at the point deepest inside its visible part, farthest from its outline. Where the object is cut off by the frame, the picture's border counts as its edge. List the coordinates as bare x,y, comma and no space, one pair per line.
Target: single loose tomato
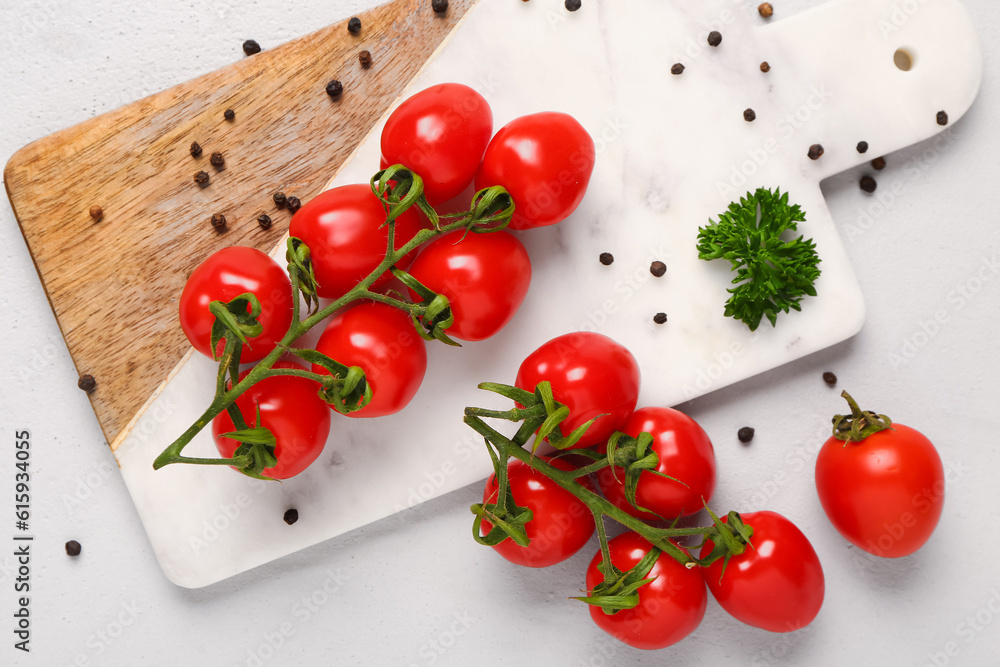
484,276
343,228
291,409
590,374
670,607
560,524
225,275
777,584
381,341
440,133
885,492
686,454
545,161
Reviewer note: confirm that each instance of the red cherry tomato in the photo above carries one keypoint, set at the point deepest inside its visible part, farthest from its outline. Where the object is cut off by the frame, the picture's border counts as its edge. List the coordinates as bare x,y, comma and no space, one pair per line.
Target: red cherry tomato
225,275
291,409
484,276
560,523
777,584
343,228
381,341
670,608
545,161
883,494
685,453
591,375
440,133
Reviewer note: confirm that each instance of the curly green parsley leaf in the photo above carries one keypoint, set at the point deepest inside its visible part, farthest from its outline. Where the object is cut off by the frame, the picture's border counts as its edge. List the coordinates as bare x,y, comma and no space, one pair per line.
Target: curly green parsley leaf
771,274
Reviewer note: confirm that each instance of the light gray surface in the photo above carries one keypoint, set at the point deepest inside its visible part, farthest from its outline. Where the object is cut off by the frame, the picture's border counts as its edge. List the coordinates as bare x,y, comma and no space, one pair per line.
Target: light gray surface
382,594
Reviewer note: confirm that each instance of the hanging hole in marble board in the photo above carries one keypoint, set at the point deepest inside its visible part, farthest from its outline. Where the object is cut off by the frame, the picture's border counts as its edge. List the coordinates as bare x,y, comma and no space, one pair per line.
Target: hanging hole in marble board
903,59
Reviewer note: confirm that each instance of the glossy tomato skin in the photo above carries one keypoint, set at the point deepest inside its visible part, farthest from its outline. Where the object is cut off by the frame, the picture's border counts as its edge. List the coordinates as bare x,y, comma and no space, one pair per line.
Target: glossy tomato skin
484,276
440,133
293,411
778,585
591,375
225,275
343,229
545,161
670,608
381,341
560,523
884,494
685,453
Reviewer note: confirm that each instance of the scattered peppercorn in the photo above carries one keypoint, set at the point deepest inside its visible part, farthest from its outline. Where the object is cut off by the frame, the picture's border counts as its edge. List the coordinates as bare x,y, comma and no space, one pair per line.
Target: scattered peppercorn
264,220
815,152
658,269
942,118
87,383
202,178
829,378
229,114
279,199
766,10
293,204
365,58
745,434
251,47
878,164
749,115
677,68
868,184
218,221
217,160
291,516
573,5
334,89
96,212
714,38
607,258
354,25
439,6
195,149
73,548
765,67
862,146
660,318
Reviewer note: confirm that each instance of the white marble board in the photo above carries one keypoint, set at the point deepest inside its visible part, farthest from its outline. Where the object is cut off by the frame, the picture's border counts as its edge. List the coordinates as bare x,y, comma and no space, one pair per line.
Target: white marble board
672,152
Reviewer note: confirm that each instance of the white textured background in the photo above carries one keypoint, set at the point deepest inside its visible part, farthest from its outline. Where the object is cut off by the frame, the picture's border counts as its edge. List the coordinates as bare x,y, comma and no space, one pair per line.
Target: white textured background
415,589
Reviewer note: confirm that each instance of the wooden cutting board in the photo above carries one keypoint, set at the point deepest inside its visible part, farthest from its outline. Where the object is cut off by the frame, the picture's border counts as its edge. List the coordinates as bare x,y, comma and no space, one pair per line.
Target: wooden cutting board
113,284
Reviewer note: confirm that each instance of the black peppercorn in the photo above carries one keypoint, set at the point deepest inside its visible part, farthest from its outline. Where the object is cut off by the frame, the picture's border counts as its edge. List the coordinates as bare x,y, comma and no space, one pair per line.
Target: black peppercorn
878,164
195,149
573,5
660,318
862,146
201,178
96,212
264,220
607,258
217,160
365,58
766,10
829,378
745,434
279,199
658,269
293,204
765,67
868,184
677,68
87,383
251,47
229,114
334,89
439,6
354,25
815,152
291,516
942,118
749,115
218,221
73,548
714,38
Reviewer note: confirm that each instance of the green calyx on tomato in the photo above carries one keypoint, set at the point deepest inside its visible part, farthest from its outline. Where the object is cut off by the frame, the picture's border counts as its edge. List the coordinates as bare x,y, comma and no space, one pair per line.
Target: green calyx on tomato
858,425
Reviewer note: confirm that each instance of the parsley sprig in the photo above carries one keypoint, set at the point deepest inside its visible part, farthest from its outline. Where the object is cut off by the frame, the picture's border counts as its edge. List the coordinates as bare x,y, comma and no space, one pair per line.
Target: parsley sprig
771,274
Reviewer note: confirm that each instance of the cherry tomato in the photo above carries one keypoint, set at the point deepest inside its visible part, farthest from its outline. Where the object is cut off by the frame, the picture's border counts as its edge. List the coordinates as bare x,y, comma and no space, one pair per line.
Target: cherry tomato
560,523
591,375
291,409
777,584
343,228
685,453
381,341
484,276
883,494
670,608
440,133
225,275
545,161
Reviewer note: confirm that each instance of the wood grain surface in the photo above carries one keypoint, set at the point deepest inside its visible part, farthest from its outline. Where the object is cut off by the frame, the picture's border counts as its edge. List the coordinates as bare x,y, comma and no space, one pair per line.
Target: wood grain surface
114,284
